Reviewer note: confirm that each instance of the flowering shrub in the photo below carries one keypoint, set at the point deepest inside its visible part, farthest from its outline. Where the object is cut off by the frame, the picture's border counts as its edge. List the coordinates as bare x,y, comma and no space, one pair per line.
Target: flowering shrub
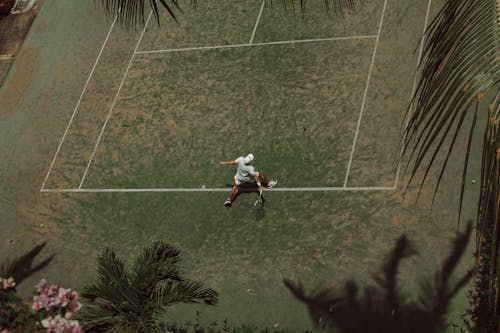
60,324
13,312
59,303
55,298
53,307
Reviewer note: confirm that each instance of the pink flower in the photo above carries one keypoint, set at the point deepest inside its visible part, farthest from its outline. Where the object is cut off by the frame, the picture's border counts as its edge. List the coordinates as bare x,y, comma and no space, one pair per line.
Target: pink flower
74,306
62,296
59,324
53,290
5,331
41,302
57,300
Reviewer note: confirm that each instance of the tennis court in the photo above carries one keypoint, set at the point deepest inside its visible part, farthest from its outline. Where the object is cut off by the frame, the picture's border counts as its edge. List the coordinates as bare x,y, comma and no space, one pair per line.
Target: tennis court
305,96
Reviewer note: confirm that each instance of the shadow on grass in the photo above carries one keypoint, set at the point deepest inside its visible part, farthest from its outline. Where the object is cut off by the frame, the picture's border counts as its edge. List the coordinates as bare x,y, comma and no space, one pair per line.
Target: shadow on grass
383,307
259,203
22,267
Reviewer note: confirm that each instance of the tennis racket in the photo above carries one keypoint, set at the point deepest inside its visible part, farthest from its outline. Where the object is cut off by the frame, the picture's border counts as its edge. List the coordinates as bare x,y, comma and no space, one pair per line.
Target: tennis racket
260,200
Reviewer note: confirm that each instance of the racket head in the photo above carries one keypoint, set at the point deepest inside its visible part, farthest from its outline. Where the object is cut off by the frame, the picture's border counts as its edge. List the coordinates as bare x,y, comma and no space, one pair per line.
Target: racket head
260,200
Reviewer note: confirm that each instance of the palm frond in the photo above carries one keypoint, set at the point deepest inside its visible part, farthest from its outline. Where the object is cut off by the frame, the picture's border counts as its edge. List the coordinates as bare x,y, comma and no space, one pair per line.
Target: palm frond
486,311
170,292
98,316
131,14
113,283
459,66
156,263
129,300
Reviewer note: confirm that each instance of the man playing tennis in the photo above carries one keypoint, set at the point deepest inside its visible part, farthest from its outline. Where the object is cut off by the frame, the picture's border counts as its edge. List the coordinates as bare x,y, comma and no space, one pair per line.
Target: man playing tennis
246,173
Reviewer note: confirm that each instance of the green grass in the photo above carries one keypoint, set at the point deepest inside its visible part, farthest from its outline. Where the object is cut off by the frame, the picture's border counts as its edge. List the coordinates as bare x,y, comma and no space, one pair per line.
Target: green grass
276,23
179,114
211,23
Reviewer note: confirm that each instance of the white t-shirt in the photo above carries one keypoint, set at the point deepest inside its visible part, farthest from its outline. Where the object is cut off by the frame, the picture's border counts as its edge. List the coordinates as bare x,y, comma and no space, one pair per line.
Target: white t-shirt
244,172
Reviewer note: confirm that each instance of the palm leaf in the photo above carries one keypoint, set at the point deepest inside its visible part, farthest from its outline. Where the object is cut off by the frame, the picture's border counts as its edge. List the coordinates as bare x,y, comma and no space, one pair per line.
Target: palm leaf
169,292
459,65
130,300
113,279
98,316
486,309
131,14
156,263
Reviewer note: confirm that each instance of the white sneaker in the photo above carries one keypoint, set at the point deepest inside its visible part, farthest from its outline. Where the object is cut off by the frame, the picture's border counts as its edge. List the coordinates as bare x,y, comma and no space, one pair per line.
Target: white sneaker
272,183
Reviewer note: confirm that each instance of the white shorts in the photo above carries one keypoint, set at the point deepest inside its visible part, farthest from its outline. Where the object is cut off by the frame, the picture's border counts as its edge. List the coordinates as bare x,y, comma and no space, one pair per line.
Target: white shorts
238,181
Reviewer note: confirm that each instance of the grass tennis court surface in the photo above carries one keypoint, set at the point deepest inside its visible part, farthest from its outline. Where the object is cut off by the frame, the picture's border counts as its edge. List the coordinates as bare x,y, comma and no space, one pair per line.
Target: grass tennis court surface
233,79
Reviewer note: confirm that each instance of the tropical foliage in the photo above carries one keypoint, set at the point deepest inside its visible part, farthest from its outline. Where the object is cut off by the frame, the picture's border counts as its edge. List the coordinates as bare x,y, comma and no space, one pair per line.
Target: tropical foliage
459,71
51,306
485,298
383,307
135,299
131,14
14,314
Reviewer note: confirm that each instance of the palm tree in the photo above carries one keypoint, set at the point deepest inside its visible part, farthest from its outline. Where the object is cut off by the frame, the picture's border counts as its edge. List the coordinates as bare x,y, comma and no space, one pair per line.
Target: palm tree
461,67
133,300
131,14
384,308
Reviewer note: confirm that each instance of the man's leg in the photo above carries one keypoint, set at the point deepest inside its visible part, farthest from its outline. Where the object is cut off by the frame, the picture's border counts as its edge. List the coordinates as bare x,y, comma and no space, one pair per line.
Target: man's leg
232,193
263,178
267,182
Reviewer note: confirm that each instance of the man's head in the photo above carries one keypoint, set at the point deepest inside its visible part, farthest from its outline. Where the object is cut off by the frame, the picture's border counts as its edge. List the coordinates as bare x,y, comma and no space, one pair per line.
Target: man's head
248,159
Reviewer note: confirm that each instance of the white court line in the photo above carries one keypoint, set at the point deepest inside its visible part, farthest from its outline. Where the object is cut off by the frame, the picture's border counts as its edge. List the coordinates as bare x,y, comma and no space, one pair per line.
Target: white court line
413,89
257,44
77,105
114,102
257,22
224,189
365,94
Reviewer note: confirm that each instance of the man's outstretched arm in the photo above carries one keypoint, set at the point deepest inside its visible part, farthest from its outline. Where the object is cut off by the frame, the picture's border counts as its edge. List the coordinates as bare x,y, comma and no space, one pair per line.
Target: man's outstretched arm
227,162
